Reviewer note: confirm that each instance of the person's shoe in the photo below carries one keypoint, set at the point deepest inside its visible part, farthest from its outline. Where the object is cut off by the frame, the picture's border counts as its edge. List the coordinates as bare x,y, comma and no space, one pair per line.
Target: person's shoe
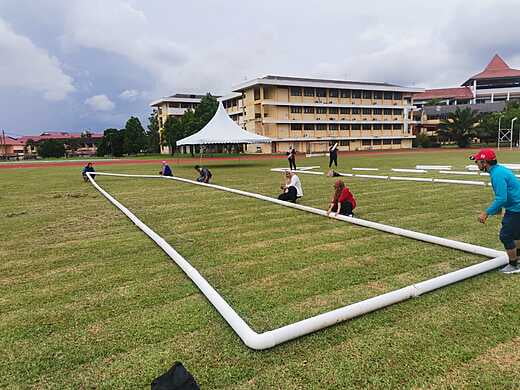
510,269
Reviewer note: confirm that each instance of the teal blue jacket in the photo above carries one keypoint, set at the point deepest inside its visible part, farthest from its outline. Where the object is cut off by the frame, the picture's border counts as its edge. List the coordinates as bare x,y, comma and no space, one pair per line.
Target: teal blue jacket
507,190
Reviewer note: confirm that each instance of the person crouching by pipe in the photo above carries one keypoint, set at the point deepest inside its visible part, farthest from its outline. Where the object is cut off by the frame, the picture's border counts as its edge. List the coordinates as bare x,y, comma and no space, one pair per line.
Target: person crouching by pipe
342,202
292,189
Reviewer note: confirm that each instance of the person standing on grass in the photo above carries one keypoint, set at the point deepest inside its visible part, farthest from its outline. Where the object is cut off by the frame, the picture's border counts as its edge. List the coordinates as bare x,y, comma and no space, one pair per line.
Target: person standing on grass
342,202
88,168
291,157
165,170
204,174
507,195
292,189
333,154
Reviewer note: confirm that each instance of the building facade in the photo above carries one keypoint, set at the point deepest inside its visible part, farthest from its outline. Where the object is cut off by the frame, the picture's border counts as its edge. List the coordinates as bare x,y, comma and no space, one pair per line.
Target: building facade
308,114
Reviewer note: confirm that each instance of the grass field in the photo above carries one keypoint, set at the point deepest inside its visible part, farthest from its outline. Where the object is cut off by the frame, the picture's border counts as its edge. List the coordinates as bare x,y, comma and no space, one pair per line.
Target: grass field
88,301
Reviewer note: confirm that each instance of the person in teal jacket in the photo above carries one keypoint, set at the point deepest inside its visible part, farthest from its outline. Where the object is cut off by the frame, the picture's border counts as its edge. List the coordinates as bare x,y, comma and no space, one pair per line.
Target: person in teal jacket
506,187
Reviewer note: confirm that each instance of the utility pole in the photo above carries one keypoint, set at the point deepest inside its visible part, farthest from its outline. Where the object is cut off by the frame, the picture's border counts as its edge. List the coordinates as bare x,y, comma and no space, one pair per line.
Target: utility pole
4,148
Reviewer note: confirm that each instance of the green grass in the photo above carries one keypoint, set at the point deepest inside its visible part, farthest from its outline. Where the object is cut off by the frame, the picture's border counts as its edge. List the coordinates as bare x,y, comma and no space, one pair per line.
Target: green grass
87,300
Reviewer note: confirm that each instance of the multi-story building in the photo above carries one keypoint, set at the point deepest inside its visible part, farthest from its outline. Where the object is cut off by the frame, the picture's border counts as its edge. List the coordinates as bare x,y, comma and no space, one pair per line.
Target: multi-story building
175,105
309,113
487,91
76,144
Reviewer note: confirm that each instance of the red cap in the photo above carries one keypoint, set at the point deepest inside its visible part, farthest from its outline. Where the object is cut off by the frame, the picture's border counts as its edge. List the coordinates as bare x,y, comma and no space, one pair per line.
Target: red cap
484,154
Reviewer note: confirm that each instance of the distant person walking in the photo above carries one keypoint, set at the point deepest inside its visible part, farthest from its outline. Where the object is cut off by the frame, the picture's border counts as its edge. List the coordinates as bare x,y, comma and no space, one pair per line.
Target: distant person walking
292,189
333,154
507,195
204,174
165,170
291,157
342,202
88,168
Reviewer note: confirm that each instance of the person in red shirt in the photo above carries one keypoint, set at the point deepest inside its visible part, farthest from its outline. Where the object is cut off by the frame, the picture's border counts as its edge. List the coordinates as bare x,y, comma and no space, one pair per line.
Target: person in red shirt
343,202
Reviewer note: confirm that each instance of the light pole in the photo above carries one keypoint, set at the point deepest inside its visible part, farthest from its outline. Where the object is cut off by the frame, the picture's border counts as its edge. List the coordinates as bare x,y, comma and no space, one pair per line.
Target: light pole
512,123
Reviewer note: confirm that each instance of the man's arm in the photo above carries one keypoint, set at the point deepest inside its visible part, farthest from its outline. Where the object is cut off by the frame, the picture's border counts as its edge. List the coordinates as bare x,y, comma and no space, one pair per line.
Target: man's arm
500,189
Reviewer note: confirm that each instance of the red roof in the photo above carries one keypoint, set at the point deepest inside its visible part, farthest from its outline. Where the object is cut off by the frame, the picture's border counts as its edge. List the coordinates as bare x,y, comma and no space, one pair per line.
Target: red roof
57,135
10,141
497,68
444,93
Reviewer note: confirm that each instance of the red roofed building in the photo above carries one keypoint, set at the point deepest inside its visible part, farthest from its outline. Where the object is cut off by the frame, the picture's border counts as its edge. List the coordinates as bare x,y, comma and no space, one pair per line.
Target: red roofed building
10,147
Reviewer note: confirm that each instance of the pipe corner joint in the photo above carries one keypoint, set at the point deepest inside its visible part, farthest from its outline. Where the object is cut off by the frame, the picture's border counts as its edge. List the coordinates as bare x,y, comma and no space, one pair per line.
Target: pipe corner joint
259,341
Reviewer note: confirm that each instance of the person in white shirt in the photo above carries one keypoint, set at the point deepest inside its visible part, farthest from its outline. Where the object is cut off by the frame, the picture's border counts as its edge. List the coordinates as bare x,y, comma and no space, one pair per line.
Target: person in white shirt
292,189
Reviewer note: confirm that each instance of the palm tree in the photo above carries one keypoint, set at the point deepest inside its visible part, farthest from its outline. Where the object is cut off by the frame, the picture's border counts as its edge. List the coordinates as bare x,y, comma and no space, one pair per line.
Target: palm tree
460,126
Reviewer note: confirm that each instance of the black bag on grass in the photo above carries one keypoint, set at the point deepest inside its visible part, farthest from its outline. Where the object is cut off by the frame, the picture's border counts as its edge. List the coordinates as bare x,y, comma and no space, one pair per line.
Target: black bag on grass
176,378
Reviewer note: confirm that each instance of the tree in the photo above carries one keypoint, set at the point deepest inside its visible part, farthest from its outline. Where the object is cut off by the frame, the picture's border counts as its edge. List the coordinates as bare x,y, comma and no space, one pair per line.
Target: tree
172,132
488,129
134,137
153,139
51,148
112,143
460,126
434,102
205,110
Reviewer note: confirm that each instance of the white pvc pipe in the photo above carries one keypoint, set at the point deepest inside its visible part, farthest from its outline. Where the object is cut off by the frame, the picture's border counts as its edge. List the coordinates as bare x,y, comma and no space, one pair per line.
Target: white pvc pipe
433,167
274,337
468,182
423,179
409,170
459,173
365,169
295,171
372,176
308,168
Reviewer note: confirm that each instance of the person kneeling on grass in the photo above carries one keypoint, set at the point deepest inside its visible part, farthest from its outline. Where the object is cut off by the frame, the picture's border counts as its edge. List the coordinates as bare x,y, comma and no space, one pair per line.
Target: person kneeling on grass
88,168
165,170
292,189
204,174
343,202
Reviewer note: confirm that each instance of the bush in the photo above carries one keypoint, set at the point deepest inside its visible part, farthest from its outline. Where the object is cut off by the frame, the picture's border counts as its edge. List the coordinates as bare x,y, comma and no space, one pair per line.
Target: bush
51,148
425,141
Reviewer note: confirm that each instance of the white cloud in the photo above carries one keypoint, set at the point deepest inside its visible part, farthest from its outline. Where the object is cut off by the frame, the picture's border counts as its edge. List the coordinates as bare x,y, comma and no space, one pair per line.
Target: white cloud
100,103
24,65
129,94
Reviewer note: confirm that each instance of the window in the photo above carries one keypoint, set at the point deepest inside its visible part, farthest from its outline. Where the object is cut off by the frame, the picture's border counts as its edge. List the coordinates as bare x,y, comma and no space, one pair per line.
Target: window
378,111
366,142
378,95
367,94
377,126
174,105
397,142
296,91
345,93
308,91
256,93
333,93
296,110
398,95
387,111
387,142
258,115
356,111
185,105
344,110
344,143
356,94
321,92
333,110
386,126
344,127
356,126
308,110
321,127
367,111
376,142
367,126
308,126
387,95
398,111
333,127
397,127
296,126
321,110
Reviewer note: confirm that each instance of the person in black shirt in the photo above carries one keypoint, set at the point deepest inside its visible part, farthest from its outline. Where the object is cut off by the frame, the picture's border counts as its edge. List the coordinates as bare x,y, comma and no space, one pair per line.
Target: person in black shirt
204,174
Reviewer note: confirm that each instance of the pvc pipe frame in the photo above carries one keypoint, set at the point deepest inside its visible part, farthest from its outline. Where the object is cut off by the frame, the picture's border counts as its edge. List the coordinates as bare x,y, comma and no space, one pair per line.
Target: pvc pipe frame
274,337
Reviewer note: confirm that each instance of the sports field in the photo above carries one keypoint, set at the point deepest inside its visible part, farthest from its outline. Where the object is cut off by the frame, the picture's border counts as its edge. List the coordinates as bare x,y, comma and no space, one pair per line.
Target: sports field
88,301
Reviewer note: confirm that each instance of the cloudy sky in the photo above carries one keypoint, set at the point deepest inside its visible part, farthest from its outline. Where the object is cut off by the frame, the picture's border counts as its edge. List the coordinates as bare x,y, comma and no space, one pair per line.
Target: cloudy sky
71,65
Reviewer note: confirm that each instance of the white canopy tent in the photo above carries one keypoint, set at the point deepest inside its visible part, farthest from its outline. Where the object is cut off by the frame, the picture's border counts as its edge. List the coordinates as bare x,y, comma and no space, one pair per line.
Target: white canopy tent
222,130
